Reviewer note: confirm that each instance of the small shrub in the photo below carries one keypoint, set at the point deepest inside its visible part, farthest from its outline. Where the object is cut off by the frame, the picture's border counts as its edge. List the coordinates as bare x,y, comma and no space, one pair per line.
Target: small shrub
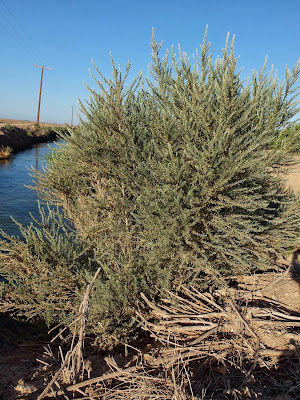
10,127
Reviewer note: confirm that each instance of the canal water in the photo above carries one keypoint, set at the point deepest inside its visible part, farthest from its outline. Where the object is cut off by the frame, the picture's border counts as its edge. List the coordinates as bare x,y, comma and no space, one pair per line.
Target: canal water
16,199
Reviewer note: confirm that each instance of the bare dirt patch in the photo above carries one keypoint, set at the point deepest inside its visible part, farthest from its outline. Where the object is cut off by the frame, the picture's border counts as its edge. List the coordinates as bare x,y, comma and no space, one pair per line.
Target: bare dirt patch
292,175
18,364
20,344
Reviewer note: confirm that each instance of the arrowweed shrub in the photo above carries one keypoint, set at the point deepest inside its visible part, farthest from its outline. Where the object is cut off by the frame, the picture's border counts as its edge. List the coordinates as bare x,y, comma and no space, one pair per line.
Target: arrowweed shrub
169,180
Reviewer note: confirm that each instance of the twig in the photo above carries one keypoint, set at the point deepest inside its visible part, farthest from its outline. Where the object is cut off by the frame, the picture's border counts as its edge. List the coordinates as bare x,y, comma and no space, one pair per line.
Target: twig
48,387
104,377
247,325
75,353
268,287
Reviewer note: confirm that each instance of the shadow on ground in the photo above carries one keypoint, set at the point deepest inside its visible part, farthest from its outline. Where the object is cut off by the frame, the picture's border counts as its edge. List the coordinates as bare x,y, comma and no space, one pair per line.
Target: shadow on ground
20,344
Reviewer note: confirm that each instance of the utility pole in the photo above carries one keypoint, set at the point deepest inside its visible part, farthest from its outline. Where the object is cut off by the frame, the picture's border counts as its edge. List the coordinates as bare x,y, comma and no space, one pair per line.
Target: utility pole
42,67
72,115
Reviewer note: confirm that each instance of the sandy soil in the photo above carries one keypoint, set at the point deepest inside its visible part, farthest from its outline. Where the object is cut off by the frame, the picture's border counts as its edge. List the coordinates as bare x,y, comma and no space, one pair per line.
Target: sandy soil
292,175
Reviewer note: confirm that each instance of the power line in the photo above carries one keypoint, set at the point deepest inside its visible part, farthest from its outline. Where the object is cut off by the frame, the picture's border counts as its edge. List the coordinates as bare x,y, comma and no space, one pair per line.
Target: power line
42,67
13,31
9,24
23,34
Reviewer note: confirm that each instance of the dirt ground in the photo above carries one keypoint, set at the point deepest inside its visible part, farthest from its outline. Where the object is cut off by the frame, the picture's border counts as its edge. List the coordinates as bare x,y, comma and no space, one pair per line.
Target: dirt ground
292,175
20,345
18,364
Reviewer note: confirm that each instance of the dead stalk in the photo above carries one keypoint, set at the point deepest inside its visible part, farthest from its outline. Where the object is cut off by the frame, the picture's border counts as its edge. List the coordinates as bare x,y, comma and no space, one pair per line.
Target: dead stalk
72,363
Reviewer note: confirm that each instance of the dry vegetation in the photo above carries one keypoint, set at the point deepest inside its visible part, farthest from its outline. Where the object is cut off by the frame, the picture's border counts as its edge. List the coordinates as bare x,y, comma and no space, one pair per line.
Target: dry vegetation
240,343
5,152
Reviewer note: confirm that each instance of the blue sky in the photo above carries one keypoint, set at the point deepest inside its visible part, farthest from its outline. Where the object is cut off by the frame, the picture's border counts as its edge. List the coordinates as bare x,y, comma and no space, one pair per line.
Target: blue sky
67,34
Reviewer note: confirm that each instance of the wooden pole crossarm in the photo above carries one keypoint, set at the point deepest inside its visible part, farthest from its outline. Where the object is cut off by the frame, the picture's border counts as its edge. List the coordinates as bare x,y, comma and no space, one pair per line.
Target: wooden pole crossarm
42,66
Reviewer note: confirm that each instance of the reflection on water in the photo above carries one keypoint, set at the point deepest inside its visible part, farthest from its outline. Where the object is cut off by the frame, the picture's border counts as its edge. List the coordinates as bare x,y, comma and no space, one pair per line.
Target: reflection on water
16,199
5,161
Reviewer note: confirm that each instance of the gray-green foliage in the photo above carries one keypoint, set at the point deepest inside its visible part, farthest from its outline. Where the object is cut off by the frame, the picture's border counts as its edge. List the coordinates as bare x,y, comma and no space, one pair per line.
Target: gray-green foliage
173,179
42,270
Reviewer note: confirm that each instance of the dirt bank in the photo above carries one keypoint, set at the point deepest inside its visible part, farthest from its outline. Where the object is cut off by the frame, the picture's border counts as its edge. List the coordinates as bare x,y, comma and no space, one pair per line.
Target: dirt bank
20,135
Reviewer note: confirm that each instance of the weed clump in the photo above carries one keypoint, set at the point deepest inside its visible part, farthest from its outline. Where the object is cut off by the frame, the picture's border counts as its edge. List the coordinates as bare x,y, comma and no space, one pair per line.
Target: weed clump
5,152
10,128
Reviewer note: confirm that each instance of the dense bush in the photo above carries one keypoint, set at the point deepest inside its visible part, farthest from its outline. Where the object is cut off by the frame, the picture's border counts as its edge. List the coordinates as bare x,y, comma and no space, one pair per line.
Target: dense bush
170,180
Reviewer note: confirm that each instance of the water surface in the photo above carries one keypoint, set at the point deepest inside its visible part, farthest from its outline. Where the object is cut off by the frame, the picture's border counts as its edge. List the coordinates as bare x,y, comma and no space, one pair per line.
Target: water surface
16,199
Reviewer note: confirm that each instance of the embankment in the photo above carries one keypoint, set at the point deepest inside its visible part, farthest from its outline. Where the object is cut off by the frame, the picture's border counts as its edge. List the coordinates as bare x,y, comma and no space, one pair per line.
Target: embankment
17,138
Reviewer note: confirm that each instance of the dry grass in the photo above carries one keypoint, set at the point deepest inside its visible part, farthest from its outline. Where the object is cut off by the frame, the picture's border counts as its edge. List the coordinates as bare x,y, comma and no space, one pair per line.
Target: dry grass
204,345
5,152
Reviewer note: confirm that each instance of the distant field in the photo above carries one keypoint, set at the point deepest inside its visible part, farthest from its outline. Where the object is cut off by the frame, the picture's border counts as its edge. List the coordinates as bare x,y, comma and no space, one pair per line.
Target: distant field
24,123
